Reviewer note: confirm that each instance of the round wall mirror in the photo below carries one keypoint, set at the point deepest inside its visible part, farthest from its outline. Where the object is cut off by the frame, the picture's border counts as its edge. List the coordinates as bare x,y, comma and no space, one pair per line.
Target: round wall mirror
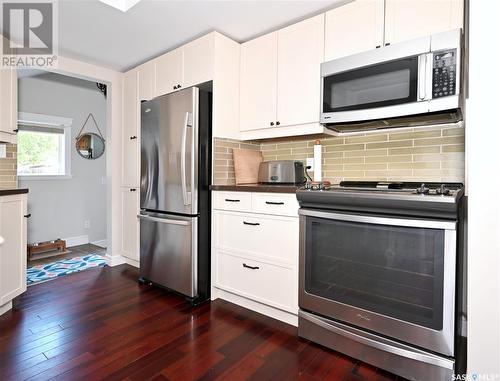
90,145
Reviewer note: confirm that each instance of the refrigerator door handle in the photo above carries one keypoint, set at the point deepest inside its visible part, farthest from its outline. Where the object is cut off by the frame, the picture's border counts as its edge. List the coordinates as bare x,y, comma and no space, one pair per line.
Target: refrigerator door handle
163,220
186,196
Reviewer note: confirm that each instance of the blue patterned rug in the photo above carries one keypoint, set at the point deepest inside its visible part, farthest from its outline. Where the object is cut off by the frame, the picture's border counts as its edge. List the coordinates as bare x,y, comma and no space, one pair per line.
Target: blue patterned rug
48,271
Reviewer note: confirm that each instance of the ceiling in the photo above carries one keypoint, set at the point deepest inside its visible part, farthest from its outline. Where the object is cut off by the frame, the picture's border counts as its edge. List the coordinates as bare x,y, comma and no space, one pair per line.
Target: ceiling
92,31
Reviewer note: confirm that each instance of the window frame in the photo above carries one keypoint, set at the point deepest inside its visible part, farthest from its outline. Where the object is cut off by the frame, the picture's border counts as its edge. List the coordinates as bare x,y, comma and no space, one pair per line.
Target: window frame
48,121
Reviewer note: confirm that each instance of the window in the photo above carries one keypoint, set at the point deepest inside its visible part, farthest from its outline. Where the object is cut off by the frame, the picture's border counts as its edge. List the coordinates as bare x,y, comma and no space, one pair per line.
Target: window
42,151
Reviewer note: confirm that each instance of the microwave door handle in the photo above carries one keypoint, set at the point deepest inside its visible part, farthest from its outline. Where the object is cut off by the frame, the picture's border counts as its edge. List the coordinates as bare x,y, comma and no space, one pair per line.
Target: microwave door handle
185,194
422,74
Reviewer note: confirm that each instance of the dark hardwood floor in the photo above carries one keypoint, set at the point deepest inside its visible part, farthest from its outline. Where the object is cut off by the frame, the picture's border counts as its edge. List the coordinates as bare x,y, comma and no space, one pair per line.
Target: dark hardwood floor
100,324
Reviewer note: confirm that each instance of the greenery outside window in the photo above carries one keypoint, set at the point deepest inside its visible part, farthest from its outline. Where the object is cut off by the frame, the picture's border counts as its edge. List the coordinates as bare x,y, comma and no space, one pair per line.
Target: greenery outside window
43,152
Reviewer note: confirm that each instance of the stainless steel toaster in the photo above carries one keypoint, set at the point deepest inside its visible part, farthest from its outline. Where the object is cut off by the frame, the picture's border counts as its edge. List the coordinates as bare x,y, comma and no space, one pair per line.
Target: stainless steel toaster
281,172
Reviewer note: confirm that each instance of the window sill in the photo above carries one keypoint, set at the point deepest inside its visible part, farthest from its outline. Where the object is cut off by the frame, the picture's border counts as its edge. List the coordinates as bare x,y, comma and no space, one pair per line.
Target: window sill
43,177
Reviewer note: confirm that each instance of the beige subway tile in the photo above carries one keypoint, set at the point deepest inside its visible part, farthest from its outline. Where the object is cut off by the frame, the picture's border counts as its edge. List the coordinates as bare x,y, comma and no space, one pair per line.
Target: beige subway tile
415,135
353,160
454,148
422,165
345,147
454,131
389,159
224,156
268,147
269,157
220,162
364,167
440,141
302,151
293,145
366,139
414,150
391,144
368,152
332,167
220,150
351,174
425,174
229,144
250,146
332,155
399,172
331,141
452,164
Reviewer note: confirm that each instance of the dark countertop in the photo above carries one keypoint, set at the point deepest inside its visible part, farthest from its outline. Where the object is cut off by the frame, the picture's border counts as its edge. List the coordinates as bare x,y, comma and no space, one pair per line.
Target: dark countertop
11,191
268,188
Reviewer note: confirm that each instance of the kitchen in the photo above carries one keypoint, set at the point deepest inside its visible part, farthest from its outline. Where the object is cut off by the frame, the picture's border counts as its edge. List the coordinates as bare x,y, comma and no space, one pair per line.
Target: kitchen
391,171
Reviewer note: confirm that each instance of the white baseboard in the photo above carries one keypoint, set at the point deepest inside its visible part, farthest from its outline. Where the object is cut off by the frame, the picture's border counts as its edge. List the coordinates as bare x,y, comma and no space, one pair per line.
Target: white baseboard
6,307
115,260
101,243
132,262
75,241
263,309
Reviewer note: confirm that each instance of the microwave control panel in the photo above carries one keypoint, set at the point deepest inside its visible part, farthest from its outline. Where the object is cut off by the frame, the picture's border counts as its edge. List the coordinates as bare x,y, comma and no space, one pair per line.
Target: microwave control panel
444,73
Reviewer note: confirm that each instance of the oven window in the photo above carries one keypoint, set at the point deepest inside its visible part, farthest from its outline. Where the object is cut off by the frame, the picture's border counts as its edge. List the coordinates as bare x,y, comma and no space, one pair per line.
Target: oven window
380,85
391,270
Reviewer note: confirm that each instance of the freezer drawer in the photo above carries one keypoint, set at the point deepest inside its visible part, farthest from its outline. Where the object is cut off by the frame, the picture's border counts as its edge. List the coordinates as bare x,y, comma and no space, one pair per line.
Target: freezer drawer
168,251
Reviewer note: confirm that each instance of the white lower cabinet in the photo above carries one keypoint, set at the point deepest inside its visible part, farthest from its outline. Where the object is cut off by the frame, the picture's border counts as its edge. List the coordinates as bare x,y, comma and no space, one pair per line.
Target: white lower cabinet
255,252
130,224
13,230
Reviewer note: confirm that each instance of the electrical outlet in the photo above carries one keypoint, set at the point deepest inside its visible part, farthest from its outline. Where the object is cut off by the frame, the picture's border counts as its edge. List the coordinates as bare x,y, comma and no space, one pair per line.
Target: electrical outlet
310,162
3,151
86,224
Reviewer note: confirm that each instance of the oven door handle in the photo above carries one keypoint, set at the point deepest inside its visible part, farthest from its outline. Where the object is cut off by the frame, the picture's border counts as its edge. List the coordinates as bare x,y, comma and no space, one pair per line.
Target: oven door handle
414,223
362,338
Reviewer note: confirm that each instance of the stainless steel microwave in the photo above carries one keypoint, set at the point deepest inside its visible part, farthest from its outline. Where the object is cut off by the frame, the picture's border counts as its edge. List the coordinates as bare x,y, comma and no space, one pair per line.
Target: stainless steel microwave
408,83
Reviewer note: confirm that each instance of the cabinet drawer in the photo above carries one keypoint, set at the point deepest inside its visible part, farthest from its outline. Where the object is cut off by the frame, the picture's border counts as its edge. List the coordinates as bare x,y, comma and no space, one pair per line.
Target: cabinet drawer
259,236
279,204
256,280
241,201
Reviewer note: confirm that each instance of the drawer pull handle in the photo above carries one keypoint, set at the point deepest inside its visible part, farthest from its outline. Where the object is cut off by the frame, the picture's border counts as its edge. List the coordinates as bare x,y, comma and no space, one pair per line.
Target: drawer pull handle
27,215
250,267
251,223
274,203
231,200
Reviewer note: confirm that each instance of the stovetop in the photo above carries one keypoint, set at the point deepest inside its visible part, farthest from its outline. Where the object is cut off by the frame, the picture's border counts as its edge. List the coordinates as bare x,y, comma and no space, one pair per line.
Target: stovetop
429,199
415,188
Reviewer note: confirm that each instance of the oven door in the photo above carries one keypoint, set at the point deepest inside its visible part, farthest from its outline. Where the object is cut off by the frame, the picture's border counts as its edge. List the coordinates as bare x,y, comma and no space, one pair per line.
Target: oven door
392,276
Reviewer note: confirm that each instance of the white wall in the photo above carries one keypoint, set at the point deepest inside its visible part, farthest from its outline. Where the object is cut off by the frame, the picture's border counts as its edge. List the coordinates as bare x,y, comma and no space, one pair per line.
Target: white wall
60,207
483,171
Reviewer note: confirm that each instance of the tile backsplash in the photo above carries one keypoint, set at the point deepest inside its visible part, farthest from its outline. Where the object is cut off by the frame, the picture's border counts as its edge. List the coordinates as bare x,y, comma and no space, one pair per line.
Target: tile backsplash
419,154
8,168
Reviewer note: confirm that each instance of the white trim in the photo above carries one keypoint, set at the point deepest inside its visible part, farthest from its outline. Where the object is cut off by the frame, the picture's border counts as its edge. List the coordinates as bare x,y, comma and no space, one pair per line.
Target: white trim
6,307
76,241
285,131
132,262
33,119
115,260
101,243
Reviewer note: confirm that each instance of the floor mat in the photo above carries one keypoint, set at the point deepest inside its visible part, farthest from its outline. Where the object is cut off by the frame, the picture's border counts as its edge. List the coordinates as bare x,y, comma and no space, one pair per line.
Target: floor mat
49,271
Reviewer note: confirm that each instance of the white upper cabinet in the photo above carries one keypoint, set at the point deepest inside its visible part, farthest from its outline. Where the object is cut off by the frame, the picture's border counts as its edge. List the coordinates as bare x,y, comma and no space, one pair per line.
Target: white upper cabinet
300,53
146,81
408,19
354,28
169,72
8,102
130,135
198,61
258,82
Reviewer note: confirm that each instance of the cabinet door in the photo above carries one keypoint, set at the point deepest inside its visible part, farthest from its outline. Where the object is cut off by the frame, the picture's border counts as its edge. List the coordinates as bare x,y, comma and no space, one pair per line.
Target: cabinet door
258,82
130,223
353,28
300,53
130,136
169,72
146,81
408,19
13,251
199,61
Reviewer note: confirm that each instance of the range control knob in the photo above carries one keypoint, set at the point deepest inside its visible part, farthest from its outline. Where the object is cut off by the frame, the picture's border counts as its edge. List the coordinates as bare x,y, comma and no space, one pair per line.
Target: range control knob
423,189
443,190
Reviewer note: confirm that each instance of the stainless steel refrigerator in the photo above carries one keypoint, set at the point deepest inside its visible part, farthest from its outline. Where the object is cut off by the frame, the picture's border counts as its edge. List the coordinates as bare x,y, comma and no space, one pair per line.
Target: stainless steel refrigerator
175,199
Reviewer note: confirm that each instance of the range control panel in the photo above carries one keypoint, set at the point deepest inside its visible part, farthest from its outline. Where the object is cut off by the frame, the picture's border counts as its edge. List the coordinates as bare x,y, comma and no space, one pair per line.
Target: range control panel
444,73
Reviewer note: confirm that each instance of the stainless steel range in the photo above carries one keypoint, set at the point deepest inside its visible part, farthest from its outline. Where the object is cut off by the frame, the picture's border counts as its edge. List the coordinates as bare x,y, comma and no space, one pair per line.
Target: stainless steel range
378,273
